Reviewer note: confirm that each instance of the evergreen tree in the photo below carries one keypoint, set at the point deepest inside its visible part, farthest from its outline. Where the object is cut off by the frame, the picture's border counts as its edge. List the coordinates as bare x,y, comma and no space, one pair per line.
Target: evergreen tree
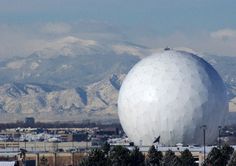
95,158
226,152
219,156
232,161
214,158
106,148
137,158
119,156
186,158
154,157
170,159
84,162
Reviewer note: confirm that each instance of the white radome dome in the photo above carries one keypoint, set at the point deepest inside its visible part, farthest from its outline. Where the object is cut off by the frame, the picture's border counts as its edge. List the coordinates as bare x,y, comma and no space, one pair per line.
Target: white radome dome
171,95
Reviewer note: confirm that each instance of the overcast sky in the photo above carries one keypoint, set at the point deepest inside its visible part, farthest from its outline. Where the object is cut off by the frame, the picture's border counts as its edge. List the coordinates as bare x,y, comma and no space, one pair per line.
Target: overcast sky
204,25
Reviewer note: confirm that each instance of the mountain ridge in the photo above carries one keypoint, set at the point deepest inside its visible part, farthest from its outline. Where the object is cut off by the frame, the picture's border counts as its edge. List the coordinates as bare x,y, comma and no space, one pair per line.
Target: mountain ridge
72,79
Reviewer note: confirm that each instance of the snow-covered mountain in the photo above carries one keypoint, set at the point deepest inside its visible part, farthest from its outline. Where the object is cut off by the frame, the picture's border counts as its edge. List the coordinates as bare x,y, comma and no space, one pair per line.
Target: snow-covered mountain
70,62
73,79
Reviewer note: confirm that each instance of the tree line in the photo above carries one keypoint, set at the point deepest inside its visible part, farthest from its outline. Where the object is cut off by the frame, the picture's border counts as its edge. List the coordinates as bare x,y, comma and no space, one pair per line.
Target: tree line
121,156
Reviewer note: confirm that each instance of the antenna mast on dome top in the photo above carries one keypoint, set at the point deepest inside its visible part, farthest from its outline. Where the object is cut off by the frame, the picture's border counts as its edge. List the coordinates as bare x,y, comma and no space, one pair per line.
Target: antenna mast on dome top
167,48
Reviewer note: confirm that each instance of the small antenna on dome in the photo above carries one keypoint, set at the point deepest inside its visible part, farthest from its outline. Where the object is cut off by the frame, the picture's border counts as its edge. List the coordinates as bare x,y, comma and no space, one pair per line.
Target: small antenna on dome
167,48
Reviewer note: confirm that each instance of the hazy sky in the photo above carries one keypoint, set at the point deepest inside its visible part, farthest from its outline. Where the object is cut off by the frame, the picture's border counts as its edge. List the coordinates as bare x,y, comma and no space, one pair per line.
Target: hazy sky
204,25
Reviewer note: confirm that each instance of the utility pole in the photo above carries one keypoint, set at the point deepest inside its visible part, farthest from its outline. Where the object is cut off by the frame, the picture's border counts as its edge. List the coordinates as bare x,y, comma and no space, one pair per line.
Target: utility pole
87,141
219,127
73,158
55,157
25,143
204,127
73,145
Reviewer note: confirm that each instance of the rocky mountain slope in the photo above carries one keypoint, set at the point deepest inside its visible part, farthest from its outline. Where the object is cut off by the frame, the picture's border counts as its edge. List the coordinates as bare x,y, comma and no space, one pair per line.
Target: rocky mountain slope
95,101
75,80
